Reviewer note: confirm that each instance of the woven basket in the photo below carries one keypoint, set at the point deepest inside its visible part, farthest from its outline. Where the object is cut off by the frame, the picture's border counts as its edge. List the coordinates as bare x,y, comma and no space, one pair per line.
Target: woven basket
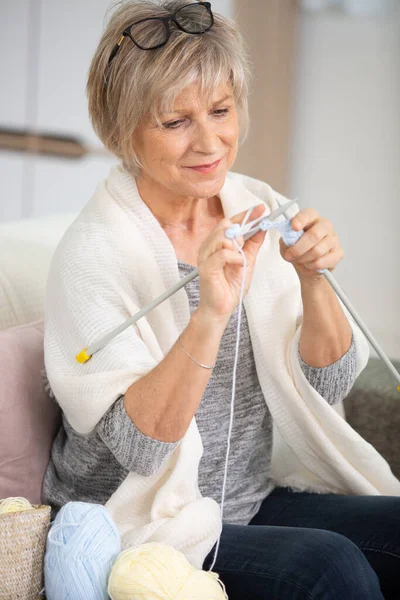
22,547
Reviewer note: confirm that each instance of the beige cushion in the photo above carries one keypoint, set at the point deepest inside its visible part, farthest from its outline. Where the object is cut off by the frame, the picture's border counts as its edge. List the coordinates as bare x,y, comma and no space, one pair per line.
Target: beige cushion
26,248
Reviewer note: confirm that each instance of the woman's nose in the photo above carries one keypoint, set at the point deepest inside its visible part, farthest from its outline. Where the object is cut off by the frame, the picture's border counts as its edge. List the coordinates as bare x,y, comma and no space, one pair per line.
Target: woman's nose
205,139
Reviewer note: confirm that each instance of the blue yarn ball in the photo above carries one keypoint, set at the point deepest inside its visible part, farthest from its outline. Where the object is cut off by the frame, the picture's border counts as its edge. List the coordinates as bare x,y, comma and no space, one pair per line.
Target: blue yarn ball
82,545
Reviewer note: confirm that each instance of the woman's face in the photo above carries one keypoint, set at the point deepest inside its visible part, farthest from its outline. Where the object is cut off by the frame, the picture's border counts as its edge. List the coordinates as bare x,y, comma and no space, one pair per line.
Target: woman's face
197,133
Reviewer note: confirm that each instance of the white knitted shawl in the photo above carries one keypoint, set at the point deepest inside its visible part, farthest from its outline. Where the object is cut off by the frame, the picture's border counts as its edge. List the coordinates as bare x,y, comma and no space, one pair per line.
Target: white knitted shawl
112,261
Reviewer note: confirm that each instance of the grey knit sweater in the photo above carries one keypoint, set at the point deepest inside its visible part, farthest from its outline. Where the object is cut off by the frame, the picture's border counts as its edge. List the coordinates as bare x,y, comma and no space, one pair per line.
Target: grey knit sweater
90,468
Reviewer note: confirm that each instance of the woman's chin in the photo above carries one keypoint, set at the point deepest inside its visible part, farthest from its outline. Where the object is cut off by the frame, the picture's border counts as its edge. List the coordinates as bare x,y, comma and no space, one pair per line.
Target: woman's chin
206,186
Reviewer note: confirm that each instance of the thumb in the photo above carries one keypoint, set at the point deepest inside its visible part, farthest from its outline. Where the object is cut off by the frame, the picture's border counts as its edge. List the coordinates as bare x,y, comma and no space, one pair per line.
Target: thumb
253,244
283,247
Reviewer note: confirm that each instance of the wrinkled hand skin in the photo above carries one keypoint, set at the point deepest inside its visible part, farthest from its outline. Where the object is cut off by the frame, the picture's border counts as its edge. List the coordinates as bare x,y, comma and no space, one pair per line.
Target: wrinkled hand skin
318,248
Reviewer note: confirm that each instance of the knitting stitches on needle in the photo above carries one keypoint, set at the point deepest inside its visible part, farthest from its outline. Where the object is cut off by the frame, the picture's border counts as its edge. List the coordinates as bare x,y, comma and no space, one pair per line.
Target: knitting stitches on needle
289,235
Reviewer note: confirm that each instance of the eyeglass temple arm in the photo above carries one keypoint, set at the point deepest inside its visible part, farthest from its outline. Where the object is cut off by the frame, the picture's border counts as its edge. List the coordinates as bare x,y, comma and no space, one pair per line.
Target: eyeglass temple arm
116,48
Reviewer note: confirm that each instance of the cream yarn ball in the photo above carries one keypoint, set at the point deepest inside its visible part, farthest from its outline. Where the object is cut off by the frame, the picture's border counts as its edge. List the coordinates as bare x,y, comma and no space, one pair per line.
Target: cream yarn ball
14,504
156,571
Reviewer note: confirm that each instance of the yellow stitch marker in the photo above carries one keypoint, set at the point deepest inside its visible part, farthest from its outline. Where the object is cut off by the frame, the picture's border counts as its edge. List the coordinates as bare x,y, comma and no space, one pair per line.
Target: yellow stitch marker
83,357
398,388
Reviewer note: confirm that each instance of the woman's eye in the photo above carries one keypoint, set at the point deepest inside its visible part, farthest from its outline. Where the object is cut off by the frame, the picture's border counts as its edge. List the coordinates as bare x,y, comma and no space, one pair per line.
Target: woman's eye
173,124
221,111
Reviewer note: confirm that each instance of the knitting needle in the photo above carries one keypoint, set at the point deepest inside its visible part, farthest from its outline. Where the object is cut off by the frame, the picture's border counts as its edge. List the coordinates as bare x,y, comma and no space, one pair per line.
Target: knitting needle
88,352
374,343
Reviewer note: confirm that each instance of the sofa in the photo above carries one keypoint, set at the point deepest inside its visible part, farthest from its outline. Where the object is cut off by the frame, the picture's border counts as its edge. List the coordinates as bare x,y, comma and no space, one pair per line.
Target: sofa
29,418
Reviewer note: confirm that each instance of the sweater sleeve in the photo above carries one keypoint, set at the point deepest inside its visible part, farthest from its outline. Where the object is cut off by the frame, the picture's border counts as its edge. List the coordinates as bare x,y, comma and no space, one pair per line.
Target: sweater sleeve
334,381
133,449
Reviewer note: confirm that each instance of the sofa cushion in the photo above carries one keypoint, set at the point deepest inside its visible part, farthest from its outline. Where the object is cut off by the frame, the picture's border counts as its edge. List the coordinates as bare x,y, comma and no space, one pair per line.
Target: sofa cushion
23,272
26,249
372,409
29,418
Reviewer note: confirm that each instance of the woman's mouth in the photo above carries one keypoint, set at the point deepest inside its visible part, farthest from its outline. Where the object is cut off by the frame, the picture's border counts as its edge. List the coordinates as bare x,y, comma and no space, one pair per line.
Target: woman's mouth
205,168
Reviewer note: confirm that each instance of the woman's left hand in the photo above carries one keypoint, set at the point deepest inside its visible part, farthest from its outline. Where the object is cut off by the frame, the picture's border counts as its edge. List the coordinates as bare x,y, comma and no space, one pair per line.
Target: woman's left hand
318,248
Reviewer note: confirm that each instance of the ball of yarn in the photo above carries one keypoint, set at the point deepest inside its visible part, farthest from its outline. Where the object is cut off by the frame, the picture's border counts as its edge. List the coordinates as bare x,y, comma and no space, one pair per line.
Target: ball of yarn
156,571
82,545
18,504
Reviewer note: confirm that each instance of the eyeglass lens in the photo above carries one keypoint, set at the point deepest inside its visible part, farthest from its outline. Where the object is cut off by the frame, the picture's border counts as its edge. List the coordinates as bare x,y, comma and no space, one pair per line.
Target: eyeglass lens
153,32
149,33
194,18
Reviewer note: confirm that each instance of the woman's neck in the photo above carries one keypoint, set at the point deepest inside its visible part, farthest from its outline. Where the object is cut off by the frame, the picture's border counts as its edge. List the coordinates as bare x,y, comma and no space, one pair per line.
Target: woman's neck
179,212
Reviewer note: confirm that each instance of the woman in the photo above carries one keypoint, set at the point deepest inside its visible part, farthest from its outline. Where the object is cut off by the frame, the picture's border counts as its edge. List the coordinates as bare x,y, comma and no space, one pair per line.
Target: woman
308,510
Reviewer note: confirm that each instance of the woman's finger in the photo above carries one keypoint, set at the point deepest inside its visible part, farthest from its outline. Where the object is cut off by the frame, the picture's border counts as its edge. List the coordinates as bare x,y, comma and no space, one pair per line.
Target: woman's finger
308,240
328,261
305,218
327,244
214,240
221,258
217,240
253,245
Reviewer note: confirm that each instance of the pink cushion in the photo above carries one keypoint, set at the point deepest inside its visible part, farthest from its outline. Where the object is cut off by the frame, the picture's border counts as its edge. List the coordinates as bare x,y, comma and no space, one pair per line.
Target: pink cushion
29,418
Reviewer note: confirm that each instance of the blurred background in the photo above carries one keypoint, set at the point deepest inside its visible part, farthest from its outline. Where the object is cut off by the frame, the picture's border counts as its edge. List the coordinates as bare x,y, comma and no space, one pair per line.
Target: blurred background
325,127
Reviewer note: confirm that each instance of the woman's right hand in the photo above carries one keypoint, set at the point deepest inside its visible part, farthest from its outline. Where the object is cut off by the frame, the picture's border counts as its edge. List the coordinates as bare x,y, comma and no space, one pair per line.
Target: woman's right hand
220,267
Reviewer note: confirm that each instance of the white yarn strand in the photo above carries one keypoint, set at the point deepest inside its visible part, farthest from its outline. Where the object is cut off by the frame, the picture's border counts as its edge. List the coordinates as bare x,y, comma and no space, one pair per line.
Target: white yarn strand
239,320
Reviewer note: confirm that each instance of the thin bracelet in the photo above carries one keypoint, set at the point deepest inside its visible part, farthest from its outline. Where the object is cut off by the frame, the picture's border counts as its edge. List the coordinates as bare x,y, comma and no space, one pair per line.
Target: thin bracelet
193,358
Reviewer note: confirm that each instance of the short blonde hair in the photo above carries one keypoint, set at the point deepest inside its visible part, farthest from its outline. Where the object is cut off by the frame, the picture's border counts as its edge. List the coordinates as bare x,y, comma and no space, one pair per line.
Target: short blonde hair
138,82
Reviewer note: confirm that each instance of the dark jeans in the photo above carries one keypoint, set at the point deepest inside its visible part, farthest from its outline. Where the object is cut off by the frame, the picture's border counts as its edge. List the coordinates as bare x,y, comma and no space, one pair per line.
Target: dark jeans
313,546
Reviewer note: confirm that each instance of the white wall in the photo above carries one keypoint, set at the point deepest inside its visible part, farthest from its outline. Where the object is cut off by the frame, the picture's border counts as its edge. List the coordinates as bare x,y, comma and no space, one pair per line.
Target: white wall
53,101
68,33
345,157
